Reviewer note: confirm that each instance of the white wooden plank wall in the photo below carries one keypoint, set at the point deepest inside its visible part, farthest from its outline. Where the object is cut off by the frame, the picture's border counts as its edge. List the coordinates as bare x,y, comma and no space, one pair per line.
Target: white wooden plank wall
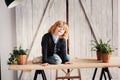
33,10
103,14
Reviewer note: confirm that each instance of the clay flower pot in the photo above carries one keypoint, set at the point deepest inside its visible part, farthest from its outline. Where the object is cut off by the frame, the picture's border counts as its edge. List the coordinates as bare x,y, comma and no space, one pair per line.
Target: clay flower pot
106,57
99,56
22,59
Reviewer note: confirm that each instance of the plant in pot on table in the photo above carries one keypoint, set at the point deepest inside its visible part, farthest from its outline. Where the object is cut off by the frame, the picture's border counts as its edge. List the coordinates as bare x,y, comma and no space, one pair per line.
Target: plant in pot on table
106,51
103,50
18,56
96,47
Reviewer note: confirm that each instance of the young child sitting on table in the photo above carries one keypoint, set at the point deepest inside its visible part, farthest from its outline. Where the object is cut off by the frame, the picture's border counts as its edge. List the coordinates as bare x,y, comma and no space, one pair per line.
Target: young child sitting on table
54,45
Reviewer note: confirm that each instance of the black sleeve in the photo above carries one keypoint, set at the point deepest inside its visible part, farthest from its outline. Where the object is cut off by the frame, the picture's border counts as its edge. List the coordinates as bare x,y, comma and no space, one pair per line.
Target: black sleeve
44,45
63,51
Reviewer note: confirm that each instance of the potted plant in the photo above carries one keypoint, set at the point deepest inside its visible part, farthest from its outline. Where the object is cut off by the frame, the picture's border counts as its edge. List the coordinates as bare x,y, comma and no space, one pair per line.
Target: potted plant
96,47
18,56
103,50
106,51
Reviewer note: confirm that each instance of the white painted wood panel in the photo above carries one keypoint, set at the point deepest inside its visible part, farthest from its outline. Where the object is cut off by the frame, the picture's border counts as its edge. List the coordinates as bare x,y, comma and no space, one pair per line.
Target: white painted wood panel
32,12
103,14
81,34
115,25
71,28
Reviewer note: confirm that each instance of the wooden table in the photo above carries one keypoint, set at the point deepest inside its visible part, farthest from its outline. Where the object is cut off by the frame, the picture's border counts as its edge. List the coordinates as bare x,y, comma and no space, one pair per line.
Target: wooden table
76,63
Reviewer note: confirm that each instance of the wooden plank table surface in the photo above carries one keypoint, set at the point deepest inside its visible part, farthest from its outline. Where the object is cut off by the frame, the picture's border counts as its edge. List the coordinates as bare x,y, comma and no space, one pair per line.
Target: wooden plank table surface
76,63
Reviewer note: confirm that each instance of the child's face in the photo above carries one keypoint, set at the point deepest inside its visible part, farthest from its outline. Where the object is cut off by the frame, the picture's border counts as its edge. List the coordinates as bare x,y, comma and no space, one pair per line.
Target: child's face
59,31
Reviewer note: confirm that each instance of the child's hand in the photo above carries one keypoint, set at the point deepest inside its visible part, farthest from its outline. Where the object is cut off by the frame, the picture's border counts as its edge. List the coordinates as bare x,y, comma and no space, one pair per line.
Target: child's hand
44,64
68,62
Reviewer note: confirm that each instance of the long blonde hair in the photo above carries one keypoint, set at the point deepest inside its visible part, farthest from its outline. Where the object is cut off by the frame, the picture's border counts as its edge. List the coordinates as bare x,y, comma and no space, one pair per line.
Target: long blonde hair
62,24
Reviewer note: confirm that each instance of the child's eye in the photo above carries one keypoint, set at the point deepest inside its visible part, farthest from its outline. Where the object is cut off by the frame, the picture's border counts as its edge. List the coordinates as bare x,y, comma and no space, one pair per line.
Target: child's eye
60,26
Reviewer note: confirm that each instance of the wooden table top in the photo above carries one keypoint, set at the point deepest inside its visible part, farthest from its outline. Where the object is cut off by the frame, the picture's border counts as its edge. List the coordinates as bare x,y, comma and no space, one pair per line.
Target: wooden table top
76,63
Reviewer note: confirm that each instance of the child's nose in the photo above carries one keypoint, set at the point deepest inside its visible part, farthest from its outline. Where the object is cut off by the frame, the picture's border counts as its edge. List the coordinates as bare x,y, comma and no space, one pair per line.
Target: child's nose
61,28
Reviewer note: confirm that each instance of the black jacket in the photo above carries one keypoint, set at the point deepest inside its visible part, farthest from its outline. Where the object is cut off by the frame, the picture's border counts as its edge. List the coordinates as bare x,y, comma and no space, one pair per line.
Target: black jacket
48,47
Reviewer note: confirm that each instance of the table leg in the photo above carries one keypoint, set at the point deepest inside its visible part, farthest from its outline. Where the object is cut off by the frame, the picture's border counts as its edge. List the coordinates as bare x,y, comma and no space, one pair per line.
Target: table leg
43,75
35,76
40,72
103,73
68,70
108,73
94,74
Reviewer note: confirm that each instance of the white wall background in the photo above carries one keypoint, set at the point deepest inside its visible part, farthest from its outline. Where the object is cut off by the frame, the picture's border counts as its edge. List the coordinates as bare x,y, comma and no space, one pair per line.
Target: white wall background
119,28
102,12
7,39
